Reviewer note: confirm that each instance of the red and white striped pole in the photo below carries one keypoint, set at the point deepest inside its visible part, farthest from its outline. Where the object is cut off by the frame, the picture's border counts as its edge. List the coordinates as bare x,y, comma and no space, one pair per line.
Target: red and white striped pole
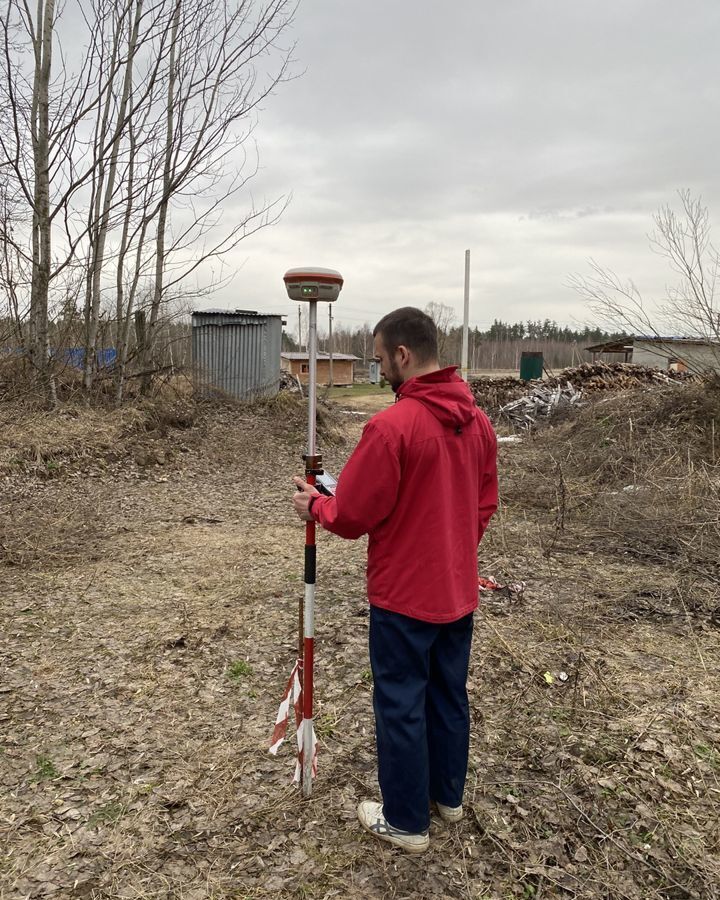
307,284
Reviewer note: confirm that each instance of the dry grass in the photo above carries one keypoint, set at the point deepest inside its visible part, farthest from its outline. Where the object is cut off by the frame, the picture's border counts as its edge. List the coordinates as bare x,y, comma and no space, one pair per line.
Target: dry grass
624,501
637,474
150,588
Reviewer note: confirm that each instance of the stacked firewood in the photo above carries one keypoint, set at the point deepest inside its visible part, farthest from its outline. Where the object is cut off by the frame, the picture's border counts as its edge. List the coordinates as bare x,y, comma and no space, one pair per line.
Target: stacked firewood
600,376
492,393
523,402
542,401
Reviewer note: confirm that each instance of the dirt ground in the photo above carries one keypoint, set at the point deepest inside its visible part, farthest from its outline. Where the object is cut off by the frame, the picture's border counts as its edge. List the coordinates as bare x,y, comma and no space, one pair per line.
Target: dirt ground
151,566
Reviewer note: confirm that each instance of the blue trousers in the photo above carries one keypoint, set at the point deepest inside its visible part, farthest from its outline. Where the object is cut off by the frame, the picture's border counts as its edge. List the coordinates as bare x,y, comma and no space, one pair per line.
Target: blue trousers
422,717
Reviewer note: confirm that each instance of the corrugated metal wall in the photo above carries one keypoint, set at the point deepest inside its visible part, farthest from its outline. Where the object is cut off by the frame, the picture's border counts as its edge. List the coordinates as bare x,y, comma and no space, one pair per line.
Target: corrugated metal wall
239,353
698,357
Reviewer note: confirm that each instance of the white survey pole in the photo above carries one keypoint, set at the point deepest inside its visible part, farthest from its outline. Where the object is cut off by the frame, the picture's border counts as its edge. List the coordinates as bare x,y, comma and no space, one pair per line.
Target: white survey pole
466,317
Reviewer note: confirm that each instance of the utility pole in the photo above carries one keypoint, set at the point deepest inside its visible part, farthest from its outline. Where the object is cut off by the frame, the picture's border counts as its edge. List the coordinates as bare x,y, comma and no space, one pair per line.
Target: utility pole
466,317
330,343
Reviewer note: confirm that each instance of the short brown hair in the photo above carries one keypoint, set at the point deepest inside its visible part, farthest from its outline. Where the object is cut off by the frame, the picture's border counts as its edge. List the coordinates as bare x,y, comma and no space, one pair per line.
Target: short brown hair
412,328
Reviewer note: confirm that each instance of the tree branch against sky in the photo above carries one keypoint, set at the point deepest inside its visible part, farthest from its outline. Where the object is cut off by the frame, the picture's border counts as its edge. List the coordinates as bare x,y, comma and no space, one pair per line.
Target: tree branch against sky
690,307
126,152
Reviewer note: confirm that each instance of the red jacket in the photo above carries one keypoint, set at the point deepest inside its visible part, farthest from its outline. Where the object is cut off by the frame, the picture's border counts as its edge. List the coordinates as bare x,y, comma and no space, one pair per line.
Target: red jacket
422,483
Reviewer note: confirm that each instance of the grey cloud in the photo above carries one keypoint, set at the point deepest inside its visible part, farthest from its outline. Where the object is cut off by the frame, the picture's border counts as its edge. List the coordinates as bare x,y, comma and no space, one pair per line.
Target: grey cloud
536,133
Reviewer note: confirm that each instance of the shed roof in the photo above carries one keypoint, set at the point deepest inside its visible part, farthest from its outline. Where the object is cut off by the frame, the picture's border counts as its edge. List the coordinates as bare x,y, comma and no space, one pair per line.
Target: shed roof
612,346
239,313
305,356
620,346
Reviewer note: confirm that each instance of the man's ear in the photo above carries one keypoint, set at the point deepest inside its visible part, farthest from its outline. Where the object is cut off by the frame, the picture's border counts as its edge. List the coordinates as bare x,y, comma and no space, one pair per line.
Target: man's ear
404,353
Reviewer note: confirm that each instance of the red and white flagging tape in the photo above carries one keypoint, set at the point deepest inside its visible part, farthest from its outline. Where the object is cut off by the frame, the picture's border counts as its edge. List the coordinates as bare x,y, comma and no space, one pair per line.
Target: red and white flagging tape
293,698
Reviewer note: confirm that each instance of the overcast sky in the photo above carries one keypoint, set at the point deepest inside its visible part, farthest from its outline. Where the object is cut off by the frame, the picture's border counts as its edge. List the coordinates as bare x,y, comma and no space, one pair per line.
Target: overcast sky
536,133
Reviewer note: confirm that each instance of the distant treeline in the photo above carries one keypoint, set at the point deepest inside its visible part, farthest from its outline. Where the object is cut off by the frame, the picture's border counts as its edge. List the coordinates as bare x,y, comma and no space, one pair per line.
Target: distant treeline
547,330
499,347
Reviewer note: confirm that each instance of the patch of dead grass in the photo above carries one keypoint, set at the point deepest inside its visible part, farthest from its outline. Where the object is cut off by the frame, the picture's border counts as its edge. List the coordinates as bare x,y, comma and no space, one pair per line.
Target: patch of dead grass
595,760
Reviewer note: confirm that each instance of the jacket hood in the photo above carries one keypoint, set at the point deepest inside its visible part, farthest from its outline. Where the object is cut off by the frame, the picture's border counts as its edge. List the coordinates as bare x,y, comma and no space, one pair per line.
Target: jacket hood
444,393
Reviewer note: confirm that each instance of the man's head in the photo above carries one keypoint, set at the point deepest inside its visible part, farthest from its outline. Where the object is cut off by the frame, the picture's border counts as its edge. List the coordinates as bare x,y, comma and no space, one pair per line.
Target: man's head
405,345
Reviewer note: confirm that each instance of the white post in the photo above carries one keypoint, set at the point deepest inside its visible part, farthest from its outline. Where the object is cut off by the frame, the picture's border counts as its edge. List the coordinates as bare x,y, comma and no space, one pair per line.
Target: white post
466,318
330,346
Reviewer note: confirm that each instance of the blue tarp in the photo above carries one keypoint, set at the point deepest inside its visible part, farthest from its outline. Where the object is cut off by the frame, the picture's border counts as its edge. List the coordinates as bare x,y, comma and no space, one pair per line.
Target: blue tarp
105,358
75,356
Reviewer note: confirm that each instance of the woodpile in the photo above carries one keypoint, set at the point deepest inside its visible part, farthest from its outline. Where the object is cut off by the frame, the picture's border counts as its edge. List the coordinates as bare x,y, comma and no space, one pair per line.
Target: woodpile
523,402
492,393
599,376
542,402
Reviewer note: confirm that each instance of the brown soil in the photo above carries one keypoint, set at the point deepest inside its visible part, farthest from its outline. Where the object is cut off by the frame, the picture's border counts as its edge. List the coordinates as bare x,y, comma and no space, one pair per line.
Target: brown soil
151,567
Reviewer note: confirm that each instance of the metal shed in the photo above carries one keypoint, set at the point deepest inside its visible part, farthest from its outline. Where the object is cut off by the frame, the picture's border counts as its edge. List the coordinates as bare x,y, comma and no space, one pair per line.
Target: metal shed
237,352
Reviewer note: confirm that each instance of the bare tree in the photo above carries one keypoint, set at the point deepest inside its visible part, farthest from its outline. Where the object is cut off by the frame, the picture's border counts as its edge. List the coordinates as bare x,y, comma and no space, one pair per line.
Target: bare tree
124,162
691,306
41,36
42,149
212,90
14,268
443,316
132,29
684,241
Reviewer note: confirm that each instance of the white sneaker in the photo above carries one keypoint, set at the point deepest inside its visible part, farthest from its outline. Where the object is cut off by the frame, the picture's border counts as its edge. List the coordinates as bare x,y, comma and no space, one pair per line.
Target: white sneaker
372,819
450,813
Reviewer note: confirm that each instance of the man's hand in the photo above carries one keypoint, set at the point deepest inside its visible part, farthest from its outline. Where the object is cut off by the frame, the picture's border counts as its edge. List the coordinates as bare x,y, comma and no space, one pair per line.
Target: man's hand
302,497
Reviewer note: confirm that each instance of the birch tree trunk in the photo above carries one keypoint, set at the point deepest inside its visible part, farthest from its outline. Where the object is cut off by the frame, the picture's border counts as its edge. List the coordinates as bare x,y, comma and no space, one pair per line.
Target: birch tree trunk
122,330
148,343
41,244
101,229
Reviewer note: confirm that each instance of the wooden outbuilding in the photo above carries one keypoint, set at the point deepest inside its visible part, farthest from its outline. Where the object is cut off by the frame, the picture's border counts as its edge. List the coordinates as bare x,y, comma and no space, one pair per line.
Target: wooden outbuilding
677,353
298,365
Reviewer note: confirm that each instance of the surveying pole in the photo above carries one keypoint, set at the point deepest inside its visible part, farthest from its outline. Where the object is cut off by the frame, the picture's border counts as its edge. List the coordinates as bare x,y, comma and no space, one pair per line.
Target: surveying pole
311,285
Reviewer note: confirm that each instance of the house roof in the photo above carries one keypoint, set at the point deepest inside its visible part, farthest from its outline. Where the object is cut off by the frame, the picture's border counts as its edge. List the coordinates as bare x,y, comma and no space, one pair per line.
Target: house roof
620,346
306,356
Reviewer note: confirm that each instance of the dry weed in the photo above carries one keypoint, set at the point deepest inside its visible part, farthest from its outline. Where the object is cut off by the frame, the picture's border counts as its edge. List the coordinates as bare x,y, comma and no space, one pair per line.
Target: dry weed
149,637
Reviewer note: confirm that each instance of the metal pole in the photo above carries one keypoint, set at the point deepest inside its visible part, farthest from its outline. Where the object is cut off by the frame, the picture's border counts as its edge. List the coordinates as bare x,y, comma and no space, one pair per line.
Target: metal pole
312,377
330,346
466,317
299,328
311,463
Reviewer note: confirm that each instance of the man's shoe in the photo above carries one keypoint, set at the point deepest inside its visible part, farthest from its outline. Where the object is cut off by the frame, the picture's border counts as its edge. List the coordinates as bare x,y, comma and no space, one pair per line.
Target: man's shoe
450,813
372,819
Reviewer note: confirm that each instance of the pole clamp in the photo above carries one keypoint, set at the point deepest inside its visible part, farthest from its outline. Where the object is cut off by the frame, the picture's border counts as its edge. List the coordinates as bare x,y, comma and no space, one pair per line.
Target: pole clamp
313,464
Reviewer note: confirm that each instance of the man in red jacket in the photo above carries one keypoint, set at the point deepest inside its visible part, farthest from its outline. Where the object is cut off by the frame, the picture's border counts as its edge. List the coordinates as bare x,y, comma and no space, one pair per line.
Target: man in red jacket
422,484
